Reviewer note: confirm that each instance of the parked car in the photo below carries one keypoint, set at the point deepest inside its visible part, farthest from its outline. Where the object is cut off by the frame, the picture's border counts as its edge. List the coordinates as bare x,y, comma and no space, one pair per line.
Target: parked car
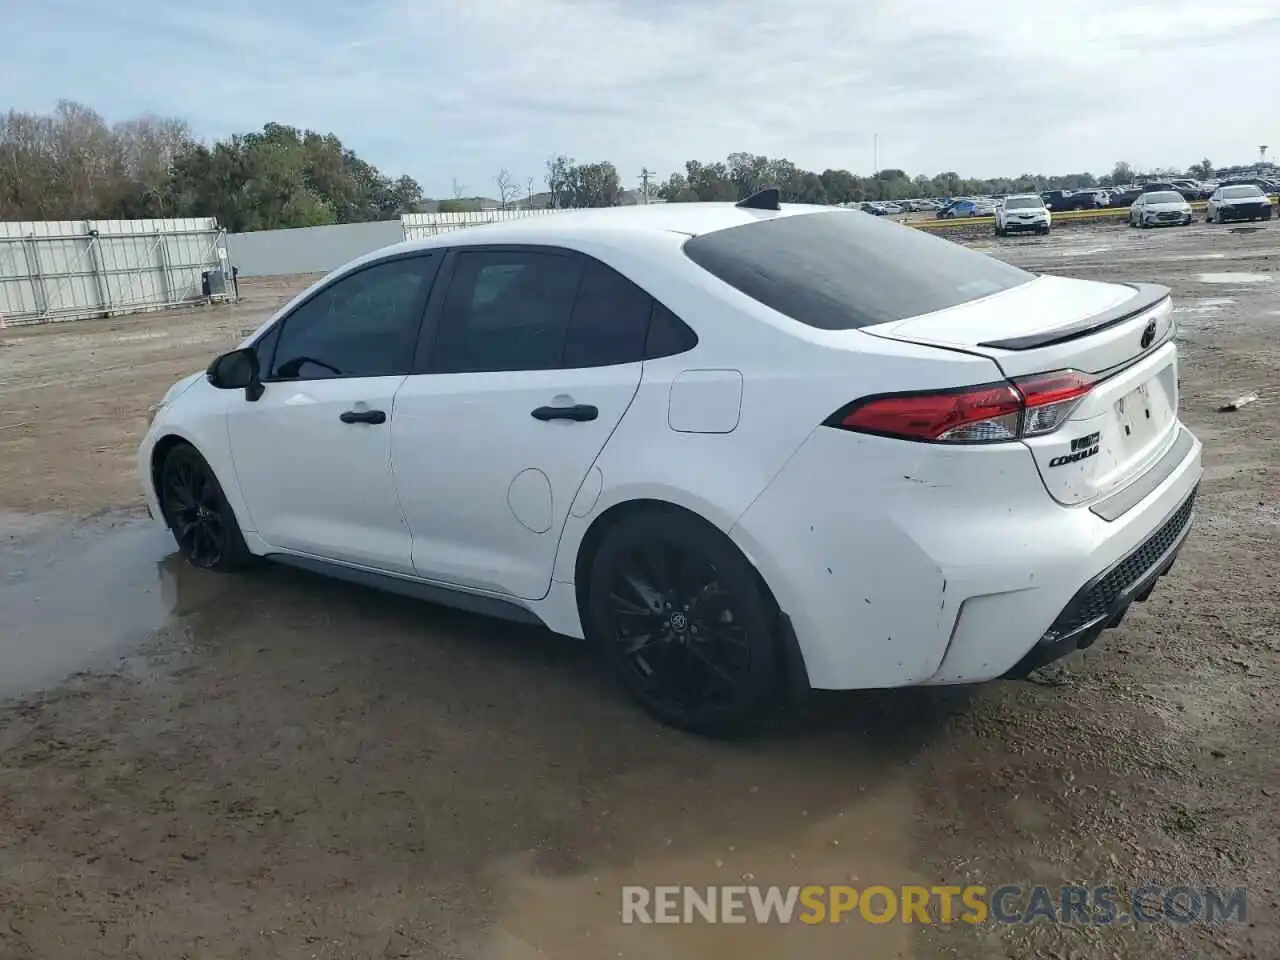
959,208
1064,200
1240,201
1263,183
1022,213
1101,198
1124,196
620,423
1190,189
1160,208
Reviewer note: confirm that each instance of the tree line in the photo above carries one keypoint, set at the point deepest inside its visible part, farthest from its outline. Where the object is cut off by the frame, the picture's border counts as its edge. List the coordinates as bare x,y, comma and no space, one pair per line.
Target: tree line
71,165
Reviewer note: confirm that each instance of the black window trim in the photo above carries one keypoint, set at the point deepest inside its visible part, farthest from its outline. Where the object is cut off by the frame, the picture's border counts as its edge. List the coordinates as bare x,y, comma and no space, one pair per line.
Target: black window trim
425,354
432,255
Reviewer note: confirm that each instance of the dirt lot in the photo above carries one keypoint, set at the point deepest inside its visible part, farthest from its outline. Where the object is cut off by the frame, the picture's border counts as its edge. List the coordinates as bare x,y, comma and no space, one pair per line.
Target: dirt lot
281,766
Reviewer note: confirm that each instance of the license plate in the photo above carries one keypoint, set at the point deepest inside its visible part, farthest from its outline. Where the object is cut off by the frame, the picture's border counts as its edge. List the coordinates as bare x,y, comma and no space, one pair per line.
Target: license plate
1139,418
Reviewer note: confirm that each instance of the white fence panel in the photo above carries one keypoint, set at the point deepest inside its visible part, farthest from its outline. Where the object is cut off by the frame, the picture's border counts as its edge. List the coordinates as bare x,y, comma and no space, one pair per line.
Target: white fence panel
70,269
420,226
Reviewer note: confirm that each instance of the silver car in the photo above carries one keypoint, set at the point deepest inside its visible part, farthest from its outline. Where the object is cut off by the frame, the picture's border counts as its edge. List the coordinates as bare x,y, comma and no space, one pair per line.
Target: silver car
1160,208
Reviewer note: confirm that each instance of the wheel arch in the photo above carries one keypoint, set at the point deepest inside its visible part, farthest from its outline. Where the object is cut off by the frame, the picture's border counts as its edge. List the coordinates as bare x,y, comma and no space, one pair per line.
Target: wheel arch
160,451
230,484
795,673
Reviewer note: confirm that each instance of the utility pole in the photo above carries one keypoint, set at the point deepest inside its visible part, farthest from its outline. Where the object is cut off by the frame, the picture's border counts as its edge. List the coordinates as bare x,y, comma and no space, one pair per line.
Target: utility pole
645,174
875,154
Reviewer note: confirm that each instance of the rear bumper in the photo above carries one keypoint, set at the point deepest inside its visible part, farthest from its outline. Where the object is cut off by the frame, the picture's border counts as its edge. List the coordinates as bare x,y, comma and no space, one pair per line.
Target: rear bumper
1102,602
899,565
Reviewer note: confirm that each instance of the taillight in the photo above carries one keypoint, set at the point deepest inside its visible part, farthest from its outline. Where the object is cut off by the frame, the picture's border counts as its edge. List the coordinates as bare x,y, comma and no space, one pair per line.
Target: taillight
988,413
1050,398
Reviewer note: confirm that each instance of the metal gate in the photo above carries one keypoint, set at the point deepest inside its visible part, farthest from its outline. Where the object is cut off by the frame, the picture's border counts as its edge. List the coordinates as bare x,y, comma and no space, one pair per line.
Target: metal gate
73,269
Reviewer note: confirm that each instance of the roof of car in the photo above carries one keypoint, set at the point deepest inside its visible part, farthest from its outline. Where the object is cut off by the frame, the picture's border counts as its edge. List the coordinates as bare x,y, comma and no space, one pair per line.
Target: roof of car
689,219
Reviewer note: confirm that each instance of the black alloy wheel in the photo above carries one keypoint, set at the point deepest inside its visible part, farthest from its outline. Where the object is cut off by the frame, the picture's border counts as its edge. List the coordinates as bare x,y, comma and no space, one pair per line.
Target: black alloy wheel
686,625
198,514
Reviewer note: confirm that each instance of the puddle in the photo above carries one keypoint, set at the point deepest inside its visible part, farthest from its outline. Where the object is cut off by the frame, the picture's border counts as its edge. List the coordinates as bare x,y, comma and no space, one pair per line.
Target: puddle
866,842
1083,252
75,597
1234,277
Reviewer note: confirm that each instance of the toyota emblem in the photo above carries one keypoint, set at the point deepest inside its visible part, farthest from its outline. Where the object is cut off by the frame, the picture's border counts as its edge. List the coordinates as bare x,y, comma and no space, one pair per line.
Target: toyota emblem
1149,334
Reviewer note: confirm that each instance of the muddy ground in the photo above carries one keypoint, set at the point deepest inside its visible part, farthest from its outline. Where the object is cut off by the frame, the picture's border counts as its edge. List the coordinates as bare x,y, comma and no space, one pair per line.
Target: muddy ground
276,765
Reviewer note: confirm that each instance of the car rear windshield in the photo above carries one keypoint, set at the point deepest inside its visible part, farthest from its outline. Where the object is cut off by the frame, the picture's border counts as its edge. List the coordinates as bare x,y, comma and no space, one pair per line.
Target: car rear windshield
1023,203
1164,196
1236,193
840,270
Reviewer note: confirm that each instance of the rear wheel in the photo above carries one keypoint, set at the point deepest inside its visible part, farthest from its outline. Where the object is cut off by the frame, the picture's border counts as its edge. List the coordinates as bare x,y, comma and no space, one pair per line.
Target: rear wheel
684,622
197,512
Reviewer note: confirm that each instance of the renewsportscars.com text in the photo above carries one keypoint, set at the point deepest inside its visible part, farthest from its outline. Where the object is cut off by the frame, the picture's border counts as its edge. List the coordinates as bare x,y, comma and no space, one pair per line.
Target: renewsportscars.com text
1009,904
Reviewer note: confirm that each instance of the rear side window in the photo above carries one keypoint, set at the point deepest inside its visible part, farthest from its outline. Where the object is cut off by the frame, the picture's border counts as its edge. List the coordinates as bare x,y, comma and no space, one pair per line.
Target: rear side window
506,310
840,270
610,320
668,334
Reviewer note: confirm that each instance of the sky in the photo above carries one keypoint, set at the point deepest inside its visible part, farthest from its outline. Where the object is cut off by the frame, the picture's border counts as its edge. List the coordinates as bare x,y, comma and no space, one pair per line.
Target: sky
447,91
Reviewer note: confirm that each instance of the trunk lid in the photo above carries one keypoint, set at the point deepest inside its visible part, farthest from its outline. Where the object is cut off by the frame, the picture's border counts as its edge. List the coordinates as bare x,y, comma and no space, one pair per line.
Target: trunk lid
1120,333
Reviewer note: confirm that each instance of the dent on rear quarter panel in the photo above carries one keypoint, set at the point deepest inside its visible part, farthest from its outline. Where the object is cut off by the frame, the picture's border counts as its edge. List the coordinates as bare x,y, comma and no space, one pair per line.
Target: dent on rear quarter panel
870,606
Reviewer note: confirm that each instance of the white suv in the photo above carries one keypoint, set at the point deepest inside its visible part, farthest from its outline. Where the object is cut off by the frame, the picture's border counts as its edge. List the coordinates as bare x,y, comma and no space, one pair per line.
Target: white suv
1023,211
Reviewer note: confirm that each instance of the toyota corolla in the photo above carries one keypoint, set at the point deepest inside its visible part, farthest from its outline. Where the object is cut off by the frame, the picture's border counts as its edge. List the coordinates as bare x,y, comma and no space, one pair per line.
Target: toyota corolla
742,448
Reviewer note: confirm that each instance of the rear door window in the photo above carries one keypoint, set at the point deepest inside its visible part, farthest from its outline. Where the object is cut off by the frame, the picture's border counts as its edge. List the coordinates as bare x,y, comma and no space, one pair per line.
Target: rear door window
506,310
838,270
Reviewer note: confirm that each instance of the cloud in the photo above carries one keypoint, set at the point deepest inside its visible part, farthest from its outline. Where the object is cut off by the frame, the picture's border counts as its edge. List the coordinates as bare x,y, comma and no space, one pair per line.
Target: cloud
461,88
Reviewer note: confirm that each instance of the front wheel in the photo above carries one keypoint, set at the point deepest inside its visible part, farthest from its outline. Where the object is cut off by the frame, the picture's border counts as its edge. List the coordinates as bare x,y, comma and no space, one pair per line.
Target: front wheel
685,623
197,512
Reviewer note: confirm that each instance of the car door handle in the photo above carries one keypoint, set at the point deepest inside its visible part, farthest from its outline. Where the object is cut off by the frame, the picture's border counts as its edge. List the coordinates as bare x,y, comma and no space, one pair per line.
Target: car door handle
579,413
363,416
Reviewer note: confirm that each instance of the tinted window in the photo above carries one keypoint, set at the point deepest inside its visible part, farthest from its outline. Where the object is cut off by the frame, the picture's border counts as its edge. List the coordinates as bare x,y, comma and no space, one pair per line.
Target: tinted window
668,334
1163,196
506,311
363,325
610,320
837,271
265,348
1023,203
1236,193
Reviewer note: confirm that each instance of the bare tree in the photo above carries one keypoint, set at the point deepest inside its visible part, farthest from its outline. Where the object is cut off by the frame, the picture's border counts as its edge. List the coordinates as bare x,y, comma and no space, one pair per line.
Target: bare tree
506,186
458,189
528,187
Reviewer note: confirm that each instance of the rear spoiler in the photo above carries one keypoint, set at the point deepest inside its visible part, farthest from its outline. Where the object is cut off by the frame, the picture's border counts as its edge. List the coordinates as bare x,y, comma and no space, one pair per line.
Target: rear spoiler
1145,296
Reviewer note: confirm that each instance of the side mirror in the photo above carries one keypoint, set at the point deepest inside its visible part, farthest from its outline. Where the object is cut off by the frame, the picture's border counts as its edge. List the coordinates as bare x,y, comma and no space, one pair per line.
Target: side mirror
237,370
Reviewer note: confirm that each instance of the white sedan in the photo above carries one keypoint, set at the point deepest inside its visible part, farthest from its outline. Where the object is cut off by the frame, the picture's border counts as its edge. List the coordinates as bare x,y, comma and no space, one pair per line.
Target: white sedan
743,448
1160,208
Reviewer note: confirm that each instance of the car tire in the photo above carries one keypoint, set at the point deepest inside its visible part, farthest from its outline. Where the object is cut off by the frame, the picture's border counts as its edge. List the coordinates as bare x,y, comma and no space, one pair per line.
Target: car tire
1266,215
684,622
196,510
